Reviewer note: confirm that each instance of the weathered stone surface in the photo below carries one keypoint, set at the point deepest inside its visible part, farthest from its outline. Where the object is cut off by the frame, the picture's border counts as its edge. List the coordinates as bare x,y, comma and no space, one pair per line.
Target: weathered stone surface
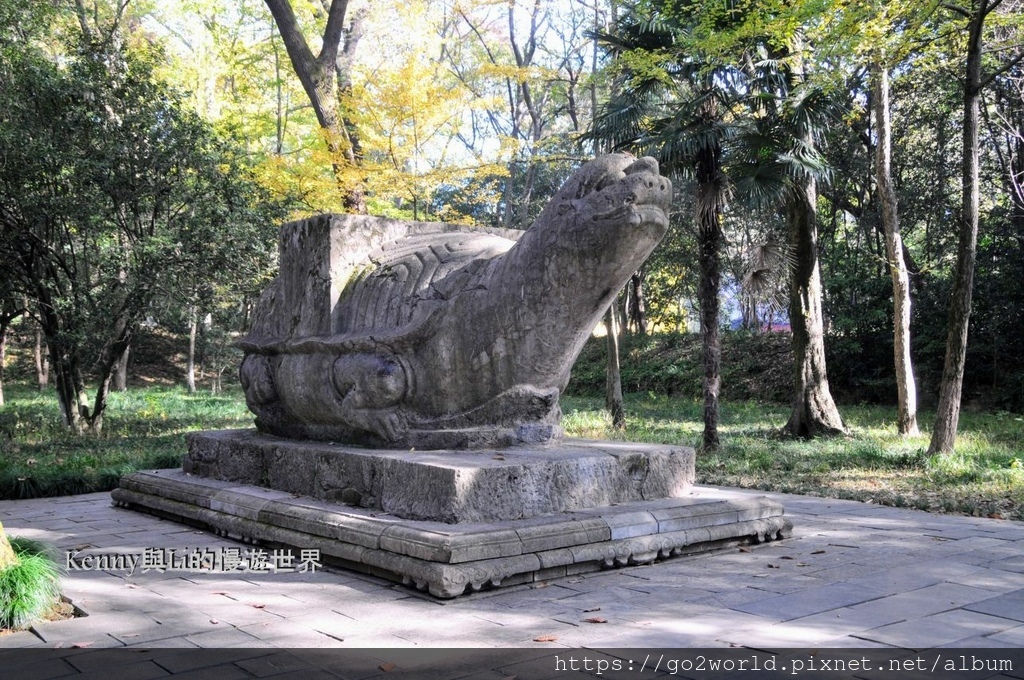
407,334
450,560
448,486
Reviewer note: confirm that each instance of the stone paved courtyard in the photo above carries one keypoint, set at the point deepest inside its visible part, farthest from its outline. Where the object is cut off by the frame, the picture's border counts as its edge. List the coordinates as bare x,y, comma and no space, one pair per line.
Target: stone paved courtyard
853,575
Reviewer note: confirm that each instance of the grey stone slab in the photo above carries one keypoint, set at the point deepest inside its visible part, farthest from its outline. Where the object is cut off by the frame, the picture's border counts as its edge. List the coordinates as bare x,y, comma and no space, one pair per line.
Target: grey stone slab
463,558
811,601
538,538
1013,636
461,486
224,636
138,670
39,669
992,579
1008,605
164,643
850,620
938,629
630,524
922,602
19,639
1013,564
923,573
979,642
449,546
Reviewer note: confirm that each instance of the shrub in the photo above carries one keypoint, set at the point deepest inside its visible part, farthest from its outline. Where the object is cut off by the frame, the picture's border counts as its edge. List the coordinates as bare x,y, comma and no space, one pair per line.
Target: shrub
30,588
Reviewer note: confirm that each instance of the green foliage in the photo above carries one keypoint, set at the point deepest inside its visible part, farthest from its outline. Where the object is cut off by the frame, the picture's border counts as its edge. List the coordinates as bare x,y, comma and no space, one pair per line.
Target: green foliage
30,588
872,464
755,366
145,430
116,197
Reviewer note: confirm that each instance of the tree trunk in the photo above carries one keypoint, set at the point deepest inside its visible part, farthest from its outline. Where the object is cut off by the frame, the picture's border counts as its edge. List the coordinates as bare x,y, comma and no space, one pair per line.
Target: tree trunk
3,358
947,414
710,252
637,303
121,371
42,363
67,368
320,79
613,375
710,201
906,389
7,557
190,367
814,411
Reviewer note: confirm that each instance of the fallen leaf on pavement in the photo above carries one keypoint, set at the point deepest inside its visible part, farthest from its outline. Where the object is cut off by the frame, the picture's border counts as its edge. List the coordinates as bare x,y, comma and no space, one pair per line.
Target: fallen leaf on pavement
387,667
545,638
596,619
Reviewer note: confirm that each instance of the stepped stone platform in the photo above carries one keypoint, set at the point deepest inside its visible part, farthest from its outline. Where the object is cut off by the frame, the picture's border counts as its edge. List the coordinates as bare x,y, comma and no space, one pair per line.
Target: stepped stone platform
452,522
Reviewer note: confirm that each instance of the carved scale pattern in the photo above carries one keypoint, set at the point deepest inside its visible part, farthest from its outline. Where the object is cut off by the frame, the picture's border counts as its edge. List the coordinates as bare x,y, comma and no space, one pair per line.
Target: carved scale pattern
409,273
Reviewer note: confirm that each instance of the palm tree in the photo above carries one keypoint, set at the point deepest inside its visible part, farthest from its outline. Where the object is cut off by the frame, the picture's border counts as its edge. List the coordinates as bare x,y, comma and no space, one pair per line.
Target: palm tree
743,123
797,113
680,113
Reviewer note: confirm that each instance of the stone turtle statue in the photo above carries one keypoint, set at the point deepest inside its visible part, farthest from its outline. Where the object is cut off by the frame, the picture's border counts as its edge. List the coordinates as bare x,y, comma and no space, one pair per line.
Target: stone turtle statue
415,335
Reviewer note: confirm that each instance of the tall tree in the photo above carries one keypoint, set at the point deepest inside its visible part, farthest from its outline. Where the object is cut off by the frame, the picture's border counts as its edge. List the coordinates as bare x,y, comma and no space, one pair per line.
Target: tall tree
326,78
677,105
975,14
111,193
906,387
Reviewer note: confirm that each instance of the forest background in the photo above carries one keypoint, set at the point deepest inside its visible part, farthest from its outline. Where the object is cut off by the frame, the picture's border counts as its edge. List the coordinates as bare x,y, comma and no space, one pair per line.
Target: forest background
849,180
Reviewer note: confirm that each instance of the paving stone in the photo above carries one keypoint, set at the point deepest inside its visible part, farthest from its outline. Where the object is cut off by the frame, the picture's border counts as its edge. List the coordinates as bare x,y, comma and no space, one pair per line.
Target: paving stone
224,636
924,573
1008,605
938,629
168,643
19,639
36,668
811,601
979,642
992,579
954,574
141,670
1013,636
922,602
1013,564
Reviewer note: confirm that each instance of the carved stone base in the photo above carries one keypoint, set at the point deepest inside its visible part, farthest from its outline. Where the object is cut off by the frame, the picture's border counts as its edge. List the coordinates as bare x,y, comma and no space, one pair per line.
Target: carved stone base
448,486
448,560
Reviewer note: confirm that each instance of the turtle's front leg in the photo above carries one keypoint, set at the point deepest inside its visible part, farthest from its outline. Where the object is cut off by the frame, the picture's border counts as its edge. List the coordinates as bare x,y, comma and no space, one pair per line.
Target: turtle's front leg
372,387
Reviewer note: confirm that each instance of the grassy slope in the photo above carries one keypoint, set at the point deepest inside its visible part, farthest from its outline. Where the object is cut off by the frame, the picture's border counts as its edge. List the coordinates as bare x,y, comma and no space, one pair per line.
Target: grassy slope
143,428
984,477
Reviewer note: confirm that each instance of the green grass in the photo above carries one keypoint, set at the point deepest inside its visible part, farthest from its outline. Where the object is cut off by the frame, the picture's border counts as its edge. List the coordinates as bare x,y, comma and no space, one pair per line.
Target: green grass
29,589
984,477
143,428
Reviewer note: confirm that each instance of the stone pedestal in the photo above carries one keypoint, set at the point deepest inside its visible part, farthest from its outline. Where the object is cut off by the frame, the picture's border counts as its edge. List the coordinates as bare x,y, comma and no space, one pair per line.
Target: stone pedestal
453,522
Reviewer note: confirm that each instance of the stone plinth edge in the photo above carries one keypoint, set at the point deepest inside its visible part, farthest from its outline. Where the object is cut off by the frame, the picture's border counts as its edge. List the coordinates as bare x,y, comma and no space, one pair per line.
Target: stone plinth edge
492,485
449,560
